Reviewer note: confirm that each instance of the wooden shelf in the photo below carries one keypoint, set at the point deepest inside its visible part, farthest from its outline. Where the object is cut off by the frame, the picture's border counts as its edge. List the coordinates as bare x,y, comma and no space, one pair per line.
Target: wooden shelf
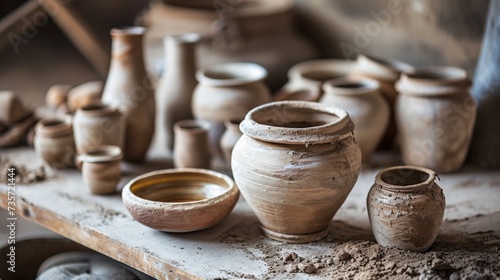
232,249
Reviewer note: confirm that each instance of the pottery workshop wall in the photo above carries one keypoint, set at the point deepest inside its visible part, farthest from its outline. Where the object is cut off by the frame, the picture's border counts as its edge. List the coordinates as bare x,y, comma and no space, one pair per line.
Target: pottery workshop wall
419,32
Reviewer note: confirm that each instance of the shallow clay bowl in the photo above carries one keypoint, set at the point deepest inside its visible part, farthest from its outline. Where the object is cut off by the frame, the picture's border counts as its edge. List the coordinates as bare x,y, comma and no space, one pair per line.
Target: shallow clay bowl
180,200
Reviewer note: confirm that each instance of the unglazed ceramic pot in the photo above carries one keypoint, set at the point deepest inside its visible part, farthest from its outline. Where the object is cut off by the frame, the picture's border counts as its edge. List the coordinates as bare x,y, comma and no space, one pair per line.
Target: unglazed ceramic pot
98,124
180,200
84,94
175,90
228,91
309,76
129,88
435,114
386,72
295,165
101,168
228,140
406,208
367,108
54,142
191,148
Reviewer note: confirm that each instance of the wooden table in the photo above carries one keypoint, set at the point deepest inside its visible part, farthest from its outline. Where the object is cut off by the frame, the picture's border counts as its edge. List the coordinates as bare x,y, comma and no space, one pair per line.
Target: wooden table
233,249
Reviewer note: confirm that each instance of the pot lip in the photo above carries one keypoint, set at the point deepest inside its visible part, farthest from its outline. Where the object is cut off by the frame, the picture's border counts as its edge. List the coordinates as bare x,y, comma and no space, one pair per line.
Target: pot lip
326,133
342,66
334,86
242,73
54,127
406,188
195,126
183,38
113,153
308,94
384,69
233,124
128,31
97,108
230,190
455,80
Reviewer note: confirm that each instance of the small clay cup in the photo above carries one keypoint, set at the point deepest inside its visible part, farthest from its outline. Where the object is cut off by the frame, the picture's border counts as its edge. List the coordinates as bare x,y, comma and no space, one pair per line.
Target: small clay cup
54,142
101,168
229,139
191,144
406,208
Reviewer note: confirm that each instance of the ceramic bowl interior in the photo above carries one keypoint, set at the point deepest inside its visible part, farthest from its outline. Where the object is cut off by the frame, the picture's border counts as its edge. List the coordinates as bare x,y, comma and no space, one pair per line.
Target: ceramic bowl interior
294,117
405,178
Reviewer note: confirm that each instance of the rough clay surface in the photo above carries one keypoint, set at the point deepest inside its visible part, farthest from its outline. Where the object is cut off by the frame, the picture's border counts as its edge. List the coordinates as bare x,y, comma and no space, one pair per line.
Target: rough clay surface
24,175
354,254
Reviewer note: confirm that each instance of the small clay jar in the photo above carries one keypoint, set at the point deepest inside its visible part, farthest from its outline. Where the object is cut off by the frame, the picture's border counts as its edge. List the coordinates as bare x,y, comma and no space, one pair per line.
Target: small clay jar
101,168
295,165
228,140
366,107
386,73
191,144
406,208
98,124
308,77
435,114
228,91
54,142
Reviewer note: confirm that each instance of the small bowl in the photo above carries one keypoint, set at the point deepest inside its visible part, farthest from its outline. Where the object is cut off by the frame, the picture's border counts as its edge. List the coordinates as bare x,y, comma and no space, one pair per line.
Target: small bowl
180,200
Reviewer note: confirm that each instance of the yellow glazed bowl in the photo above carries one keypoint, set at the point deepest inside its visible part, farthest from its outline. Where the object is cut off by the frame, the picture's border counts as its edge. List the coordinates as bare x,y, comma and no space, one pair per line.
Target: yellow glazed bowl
180,200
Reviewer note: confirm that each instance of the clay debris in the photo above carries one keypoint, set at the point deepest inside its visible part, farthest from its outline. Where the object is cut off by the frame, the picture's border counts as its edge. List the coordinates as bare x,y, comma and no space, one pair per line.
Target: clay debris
24,176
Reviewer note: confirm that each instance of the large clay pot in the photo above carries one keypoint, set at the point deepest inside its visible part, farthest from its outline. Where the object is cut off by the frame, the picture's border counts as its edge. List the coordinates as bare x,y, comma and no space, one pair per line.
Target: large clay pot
484,149
309,76
295,165
101,168
386,72
228,91
129,88
366,106
54,142
175,90
258,31
435,115
191,149
406,208
98,124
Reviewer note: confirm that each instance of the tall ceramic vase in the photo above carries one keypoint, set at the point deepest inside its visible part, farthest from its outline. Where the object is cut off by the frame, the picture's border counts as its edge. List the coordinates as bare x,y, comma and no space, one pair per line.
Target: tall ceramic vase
386,73
176,87
129,88
367,108
435,114
295,165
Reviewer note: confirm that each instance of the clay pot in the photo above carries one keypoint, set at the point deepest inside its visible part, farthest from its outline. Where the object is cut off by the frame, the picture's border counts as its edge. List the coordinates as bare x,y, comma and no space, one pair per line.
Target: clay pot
260,32
386,72
129,88
175,90
228,91
101,168
295,165
98,124
84,94
191,147
228,140
186,199
406,208
54,142
435,115
11,108
366,107
310,75
57,95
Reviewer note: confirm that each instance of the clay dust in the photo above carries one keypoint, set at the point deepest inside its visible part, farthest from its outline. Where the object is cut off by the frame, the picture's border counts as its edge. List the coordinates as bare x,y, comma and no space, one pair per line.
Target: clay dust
24,175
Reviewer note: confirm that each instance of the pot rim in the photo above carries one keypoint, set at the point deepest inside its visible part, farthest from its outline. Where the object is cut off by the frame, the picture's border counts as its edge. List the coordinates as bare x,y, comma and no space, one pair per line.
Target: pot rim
183,38
54,127
406,188
230,190
433,81
111,153
238,73
337,86
342,66
384,69
97,108
192,126
320,134
128,31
